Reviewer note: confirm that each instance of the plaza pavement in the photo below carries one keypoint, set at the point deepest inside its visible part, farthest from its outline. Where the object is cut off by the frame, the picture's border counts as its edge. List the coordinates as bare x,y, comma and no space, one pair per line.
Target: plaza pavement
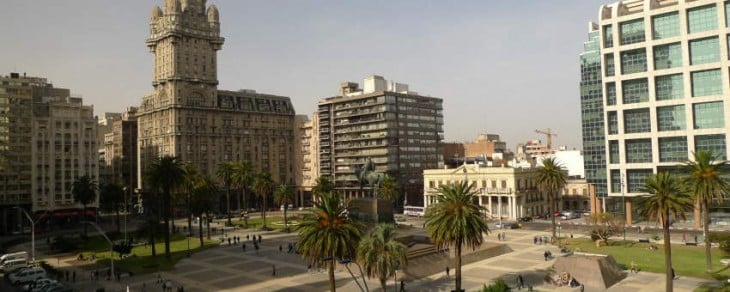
229,268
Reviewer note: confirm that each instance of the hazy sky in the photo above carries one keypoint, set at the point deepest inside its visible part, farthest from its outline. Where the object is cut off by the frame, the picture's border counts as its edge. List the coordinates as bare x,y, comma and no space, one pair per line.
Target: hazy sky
502,66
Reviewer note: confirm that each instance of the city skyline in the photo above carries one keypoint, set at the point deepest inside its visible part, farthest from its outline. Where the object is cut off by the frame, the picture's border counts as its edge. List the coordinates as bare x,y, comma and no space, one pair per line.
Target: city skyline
296,49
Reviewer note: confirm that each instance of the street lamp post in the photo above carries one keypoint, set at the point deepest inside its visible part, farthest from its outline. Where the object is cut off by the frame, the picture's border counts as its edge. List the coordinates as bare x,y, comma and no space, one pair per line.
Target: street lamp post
126,212
111,244
623,199
32,231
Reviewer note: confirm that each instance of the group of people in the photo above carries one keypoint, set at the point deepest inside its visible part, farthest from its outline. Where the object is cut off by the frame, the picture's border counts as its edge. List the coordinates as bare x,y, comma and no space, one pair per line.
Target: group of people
547,254
540,240
502,236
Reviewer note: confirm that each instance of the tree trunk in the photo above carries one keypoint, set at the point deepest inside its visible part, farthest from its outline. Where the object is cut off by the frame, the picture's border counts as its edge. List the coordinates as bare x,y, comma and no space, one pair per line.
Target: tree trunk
706,232
117,209
458,266
190,223
384,284
264,209
552,211
698,214
86,226
667,253
152,231
166,218
286,225
228,204
207,222
200,229
332,274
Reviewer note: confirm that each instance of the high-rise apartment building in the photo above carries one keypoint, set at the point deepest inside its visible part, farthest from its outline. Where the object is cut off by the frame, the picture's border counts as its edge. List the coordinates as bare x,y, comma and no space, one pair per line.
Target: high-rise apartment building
120,149
308,167
47,140
399,130
188,117
664,75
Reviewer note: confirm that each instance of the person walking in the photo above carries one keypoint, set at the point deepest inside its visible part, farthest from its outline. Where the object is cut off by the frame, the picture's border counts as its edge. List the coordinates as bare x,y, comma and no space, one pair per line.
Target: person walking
273,270
546,254
280,248
447,272
243,247
402,286
73,277
634,270
519,282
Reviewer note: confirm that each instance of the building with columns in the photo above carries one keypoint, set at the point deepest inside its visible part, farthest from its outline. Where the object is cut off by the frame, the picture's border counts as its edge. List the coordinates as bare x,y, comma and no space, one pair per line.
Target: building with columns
187,116
505,192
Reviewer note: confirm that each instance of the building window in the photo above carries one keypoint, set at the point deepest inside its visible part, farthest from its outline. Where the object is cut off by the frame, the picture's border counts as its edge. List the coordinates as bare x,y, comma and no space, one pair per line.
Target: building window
727,14
708,82
637,121
610,66
633,61
638,151
615,181
702,18
665,25
704,51
635,91
632,31
668,56
714,143
673,149
708,115
636,178
612,123
613,152
670,118
607,36
669,87
611,93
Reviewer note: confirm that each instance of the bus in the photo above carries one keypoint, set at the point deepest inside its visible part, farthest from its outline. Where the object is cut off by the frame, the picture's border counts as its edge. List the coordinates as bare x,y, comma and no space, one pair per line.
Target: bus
414,211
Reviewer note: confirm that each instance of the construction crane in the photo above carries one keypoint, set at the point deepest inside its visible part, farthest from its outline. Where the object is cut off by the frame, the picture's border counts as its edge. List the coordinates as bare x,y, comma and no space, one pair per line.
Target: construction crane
549,134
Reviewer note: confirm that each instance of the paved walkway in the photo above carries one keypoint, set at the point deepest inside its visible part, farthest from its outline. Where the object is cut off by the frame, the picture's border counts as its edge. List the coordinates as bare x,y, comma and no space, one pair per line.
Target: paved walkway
229,268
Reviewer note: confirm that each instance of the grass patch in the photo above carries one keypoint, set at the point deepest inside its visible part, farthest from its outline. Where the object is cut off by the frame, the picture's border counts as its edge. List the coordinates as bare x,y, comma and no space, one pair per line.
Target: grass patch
688,261
273,223
143,261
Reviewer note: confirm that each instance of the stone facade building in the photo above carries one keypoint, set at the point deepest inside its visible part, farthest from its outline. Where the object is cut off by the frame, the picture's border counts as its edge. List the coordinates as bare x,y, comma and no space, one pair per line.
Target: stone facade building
188,117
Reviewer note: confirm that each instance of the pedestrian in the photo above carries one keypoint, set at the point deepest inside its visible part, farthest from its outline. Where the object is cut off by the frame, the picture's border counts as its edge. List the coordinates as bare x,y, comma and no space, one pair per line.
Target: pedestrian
634,270
280,248
402,286
534,240
504,236
546,255
74,276
674,276
695,238
273,270
519,282
259,238
540,240
447,271
499,236
247,237
309,268
243,247
229,241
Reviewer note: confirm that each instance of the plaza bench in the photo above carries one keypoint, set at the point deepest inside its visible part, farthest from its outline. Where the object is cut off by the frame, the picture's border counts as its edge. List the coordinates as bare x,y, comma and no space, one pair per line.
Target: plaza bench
644,240
691,243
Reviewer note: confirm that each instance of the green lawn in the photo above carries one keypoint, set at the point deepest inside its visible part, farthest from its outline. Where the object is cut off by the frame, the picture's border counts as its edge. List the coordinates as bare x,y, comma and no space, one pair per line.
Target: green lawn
143,261
687,260
274,222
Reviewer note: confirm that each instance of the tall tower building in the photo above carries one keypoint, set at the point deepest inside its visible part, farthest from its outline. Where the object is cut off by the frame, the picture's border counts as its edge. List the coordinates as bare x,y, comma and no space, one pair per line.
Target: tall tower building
665,79
188,117
592,120
399,130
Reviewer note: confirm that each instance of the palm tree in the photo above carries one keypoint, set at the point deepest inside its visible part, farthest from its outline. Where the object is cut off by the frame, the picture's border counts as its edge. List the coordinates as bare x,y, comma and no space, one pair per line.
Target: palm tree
284,195
380,254
551,179
202,200
84,192
263,186
111,199
456,220
388,189
166,173
225,175
242,179
665,199
327,233
191,178
323,185
704,179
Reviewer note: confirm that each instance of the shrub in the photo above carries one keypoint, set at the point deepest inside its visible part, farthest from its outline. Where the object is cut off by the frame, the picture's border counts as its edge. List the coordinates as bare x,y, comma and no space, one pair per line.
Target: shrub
497,286
722,238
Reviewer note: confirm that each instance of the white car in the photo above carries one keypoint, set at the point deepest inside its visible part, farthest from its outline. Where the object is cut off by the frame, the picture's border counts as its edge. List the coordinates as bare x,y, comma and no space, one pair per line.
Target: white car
28,275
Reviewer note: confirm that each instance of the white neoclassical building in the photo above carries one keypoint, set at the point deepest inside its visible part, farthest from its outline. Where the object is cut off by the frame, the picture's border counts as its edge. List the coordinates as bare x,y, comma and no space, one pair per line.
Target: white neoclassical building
505,192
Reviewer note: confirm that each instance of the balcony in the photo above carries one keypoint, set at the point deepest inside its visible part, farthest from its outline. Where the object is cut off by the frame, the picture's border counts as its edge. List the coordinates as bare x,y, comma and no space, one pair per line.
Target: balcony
497,190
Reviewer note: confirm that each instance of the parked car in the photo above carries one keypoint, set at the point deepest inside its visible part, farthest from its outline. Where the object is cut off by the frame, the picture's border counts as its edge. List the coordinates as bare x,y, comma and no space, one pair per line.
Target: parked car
507,225
525,219
37,284
28,275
